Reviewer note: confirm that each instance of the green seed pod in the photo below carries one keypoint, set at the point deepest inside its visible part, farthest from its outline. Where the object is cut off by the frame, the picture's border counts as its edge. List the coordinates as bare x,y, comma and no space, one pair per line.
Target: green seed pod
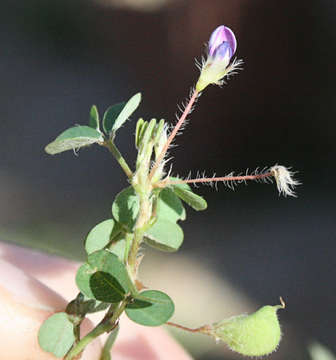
252,335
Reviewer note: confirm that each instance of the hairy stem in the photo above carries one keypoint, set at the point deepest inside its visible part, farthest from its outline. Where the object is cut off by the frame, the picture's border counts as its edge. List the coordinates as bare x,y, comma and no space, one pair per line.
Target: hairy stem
173,133
143,219
224,178
107,324
116,153
215,179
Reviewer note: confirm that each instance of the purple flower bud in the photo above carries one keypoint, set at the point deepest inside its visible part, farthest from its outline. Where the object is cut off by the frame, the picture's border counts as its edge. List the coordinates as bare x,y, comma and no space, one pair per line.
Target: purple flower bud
219,36
222,51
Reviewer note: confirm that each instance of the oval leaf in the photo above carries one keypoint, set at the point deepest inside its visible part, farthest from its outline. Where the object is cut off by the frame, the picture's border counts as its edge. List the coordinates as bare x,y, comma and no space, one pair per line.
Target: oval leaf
126,207
101,235
170,206
106,287
164,235
192,199
56,335
94,118
127,111
102,261
73,139
151,308
111,115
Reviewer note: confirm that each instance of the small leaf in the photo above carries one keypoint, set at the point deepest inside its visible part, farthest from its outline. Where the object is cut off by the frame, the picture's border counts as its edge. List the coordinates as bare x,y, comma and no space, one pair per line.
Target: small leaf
111,115
94,118
169,206
126,207
147,134
139,126
192,199
106,262
106,287
164,235
79,307
56,335
151,308
101,235
127,111
73,139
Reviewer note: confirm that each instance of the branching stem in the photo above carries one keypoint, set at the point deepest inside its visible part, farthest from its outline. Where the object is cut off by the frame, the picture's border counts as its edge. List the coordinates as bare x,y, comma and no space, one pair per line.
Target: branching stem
106,325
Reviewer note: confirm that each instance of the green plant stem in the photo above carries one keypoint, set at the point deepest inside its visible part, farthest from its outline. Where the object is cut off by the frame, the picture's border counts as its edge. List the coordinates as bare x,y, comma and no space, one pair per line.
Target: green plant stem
77,332
106,325
116,153
140,227
132,257
105,355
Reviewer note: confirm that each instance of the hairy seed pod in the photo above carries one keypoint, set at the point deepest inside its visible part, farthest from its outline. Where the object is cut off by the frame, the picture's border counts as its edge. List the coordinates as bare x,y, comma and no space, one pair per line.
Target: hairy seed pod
252,335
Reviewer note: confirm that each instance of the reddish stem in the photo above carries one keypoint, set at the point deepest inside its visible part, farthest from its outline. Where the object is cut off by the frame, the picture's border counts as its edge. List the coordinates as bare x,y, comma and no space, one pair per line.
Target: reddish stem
224,178
215,179
203,329
173,133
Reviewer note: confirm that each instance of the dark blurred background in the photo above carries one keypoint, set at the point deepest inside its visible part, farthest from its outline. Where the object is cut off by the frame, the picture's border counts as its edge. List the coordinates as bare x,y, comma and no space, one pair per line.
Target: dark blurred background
59,57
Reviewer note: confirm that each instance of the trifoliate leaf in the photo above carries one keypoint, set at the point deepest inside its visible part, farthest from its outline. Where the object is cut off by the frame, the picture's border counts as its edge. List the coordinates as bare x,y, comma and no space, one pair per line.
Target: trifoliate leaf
56,335
151,308
74,139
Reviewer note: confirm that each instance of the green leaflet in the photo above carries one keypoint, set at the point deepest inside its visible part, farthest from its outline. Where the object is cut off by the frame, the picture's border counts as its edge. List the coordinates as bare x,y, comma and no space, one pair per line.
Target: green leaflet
131,105
169,206
94,118
164,235
73,139
126,207
183,191
111,115
104,273
151,308
101,235
56,335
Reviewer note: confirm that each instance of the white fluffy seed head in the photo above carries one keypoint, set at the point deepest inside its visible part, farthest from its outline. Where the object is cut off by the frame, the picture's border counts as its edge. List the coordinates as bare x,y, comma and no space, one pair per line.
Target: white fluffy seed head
285,180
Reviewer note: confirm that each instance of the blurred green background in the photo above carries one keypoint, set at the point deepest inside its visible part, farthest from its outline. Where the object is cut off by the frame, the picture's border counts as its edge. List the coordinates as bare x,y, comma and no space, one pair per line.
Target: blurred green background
60,57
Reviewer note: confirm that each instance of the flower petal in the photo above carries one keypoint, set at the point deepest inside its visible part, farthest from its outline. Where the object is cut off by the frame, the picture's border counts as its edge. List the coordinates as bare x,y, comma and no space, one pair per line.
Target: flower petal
219,35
